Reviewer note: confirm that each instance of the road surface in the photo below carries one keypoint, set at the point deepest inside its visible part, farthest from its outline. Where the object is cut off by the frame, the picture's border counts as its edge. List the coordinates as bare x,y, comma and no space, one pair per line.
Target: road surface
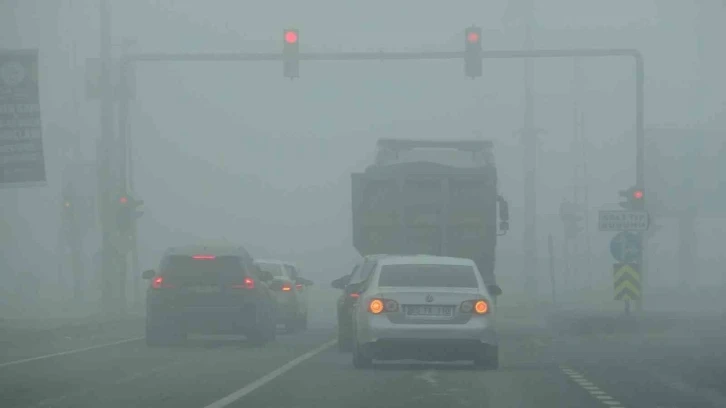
542,366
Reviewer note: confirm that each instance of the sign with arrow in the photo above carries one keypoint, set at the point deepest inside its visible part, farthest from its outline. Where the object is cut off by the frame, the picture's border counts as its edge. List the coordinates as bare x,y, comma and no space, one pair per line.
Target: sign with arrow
627,281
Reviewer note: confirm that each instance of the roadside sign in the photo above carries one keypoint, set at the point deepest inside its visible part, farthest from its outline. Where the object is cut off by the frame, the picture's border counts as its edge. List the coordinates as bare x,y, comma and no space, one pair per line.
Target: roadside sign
22,162
626,281
626,247
619,220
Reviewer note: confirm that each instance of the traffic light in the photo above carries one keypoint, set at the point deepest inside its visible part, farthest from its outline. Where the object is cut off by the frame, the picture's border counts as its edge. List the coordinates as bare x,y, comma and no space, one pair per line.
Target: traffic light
128,212
472,52
634,199
290,53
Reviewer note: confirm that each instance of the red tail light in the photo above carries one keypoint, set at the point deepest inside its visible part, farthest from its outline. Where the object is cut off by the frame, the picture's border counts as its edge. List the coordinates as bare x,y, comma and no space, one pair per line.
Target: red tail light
249,284
355,295
479,307
299,286
286,288
158,283
208,257
378,306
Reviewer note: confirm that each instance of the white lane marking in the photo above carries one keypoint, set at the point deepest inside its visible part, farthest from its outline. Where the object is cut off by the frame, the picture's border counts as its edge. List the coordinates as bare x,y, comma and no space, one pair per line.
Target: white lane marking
65,353
53,401
240,393
601,396
429,377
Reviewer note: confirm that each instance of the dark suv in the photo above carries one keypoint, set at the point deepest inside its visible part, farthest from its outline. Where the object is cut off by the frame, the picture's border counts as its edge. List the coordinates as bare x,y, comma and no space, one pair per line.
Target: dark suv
351,285
209,290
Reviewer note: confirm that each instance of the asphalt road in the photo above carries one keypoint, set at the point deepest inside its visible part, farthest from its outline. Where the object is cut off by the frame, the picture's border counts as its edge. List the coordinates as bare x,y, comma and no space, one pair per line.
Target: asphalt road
545,367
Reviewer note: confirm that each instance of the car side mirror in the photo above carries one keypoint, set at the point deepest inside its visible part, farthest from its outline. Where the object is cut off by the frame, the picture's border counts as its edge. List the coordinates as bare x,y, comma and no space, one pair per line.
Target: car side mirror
494,290
148,274
340,282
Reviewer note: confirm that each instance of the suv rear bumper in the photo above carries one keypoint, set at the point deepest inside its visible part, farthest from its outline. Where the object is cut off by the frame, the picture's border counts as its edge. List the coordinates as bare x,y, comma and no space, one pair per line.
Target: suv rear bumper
207,320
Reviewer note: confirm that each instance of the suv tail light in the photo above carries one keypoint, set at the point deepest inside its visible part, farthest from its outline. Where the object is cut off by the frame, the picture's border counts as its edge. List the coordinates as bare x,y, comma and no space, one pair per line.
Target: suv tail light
249,283
207,257
479,307
378,306
299,286
286,287
158,283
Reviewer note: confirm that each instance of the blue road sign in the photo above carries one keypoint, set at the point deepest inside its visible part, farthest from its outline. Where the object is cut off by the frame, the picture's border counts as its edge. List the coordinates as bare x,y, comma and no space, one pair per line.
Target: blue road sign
626,247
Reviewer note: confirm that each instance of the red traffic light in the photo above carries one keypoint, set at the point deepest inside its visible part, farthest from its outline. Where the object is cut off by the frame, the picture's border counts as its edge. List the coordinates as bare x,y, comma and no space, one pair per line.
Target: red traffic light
291,37
638,194
472,37
123,200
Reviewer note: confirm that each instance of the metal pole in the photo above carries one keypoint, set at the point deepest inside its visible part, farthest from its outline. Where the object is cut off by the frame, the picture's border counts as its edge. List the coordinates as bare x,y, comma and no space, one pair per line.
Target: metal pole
126,66
529,140
122,151
640,164
106,182
586,179
551,248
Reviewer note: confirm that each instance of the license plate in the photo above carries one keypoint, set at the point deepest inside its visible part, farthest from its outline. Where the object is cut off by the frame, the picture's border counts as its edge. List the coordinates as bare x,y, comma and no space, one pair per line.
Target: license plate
429,311
204,289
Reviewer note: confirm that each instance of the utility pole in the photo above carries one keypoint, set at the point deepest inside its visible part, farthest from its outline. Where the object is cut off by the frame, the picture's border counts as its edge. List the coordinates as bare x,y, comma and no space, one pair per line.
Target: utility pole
107,183
580,182
124,92
529,141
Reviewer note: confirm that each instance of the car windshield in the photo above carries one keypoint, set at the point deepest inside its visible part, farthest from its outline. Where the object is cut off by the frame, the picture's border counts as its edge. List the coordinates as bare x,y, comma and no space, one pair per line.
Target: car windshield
432,276
272,268
202,269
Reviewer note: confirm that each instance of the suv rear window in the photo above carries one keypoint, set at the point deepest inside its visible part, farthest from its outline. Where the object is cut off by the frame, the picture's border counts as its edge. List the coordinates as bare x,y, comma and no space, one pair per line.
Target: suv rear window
430,276
187,269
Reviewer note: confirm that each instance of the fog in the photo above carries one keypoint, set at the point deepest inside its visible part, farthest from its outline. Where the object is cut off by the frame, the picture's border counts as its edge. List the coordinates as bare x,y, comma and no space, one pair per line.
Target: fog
229,154
234,151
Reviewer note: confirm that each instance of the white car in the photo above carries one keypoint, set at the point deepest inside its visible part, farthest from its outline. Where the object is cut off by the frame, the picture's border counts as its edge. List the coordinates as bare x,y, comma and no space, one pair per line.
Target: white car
426,308
290,291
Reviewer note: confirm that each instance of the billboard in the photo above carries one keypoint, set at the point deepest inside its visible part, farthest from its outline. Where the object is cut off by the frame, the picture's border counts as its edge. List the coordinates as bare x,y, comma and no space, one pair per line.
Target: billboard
22,162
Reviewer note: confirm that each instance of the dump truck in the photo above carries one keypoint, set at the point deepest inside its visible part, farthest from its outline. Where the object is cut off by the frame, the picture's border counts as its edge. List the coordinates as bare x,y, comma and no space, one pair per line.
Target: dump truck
433,198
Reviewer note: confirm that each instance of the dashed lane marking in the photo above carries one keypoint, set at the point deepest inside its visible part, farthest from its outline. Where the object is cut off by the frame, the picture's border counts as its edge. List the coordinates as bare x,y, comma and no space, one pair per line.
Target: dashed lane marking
588,386
65,353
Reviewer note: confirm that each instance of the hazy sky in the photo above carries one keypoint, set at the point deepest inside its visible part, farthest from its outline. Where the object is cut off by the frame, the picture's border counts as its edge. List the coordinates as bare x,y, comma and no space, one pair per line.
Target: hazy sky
236,150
